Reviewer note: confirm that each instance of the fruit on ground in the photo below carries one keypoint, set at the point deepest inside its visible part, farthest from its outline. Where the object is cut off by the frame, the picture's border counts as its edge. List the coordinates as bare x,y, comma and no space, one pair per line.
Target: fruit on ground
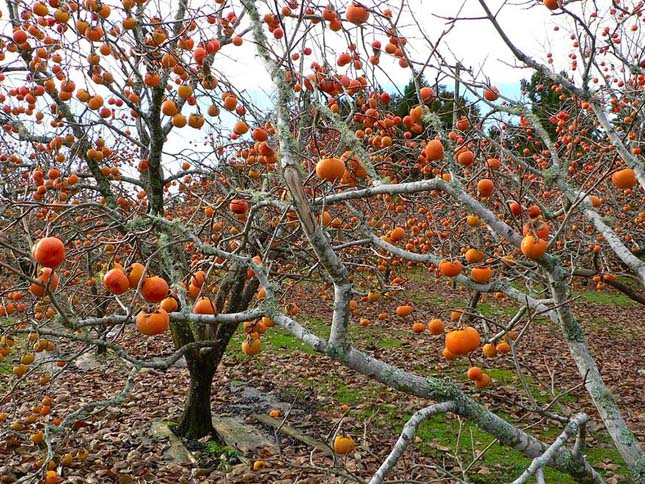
344,445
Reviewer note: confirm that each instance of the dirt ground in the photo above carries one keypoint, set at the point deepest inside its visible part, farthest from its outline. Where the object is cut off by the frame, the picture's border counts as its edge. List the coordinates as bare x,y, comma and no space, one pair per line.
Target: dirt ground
118,446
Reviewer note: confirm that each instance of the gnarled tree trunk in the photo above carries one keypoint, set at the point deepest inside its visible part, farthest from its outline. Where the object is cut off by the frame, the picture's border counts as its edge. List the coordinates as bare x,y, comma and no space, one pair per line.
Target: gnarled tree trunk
234,295
196,420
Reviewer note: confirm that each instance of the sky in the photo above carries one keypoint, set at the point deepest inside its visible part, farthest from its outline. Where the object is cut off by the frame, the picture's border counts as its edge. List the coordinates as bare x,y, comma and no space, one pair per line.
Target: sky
473,42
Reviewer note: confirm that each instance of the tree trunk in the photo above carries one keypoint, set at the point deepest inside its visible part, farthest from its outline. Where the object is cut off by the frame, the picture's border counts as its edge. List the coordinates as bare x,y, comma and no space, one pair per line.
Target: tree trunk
196,421
624,439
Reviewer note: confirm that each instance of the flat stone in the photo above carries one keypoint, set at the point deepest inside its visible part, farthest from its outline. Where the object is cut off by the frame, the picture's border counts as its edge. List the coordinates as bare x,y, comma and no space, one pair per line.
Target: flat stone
293,432
259,399
176,452
49,358
180,363
246,439
86,362
246,391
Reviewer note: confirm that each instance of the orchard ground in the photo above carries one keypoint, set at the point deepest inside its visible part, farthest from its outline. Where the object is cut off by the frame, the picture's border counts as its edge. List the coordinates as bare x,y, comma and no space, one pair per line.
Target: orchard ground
122,448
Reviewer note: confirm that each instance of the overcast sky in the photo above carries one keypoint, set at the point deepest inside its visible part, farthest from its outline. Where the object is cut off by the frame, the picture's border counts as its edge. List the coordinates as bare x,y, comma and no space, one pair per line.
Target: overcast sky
473,42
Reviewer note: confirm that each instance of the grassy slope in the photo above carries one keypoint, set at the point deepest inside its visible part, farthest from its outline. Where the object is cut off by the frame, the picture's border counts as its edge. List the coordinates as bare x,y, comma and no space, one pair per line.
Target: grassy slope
439,436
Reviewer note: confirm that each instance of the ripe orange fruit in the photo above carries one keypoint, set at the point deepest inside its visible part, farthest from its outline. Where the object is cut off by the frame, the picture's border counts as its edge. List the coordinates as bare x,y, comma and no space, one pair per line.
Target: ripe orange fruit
51,477
47,278
491,94
169,108
481,275
483,381
474,256
330,169
239,206
154,289
404,311
624,179
503,347
485,187
260,134
434,150
398,233
152,323
473,220
489,350
466,158
532,247
19,36
474,373
116,281
240,127
169,304
204,306
344,445
427,95
449,355
456,315
462,341
252,346
134,273
184,91
418,328
450,269
49,252
357,14
436,327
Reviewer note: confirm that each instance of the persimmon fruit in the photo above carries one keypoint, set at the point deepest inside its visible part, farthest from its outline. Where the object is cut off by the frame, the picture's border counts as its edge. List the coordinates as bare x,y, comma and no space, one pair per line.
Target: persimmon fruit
152,323
533,247
344,445
330,169
357,14
49,252
154,289
463,341
116,281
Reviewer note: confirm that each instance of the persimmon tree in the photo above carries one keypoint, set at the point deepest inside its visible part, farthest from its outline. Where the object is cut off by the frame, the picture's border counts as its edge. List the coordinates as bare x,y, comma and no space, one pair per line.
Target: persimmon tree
143,189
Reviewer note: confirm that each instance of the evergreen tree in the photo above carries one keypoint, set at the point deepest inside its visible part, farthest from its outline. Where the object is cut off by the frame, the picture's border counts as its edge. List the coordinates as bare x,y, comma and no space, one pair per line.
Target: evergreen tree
443,104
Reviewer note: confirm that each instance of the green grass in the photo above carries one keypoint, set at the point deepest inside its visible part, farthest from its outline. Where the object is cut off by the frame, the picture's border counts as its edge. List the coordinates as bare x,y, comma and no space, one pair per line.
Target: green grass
609,298
488,310
215,448
280,341
283,342
541,395
439,441
389,343
345,394
439,435
5,369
